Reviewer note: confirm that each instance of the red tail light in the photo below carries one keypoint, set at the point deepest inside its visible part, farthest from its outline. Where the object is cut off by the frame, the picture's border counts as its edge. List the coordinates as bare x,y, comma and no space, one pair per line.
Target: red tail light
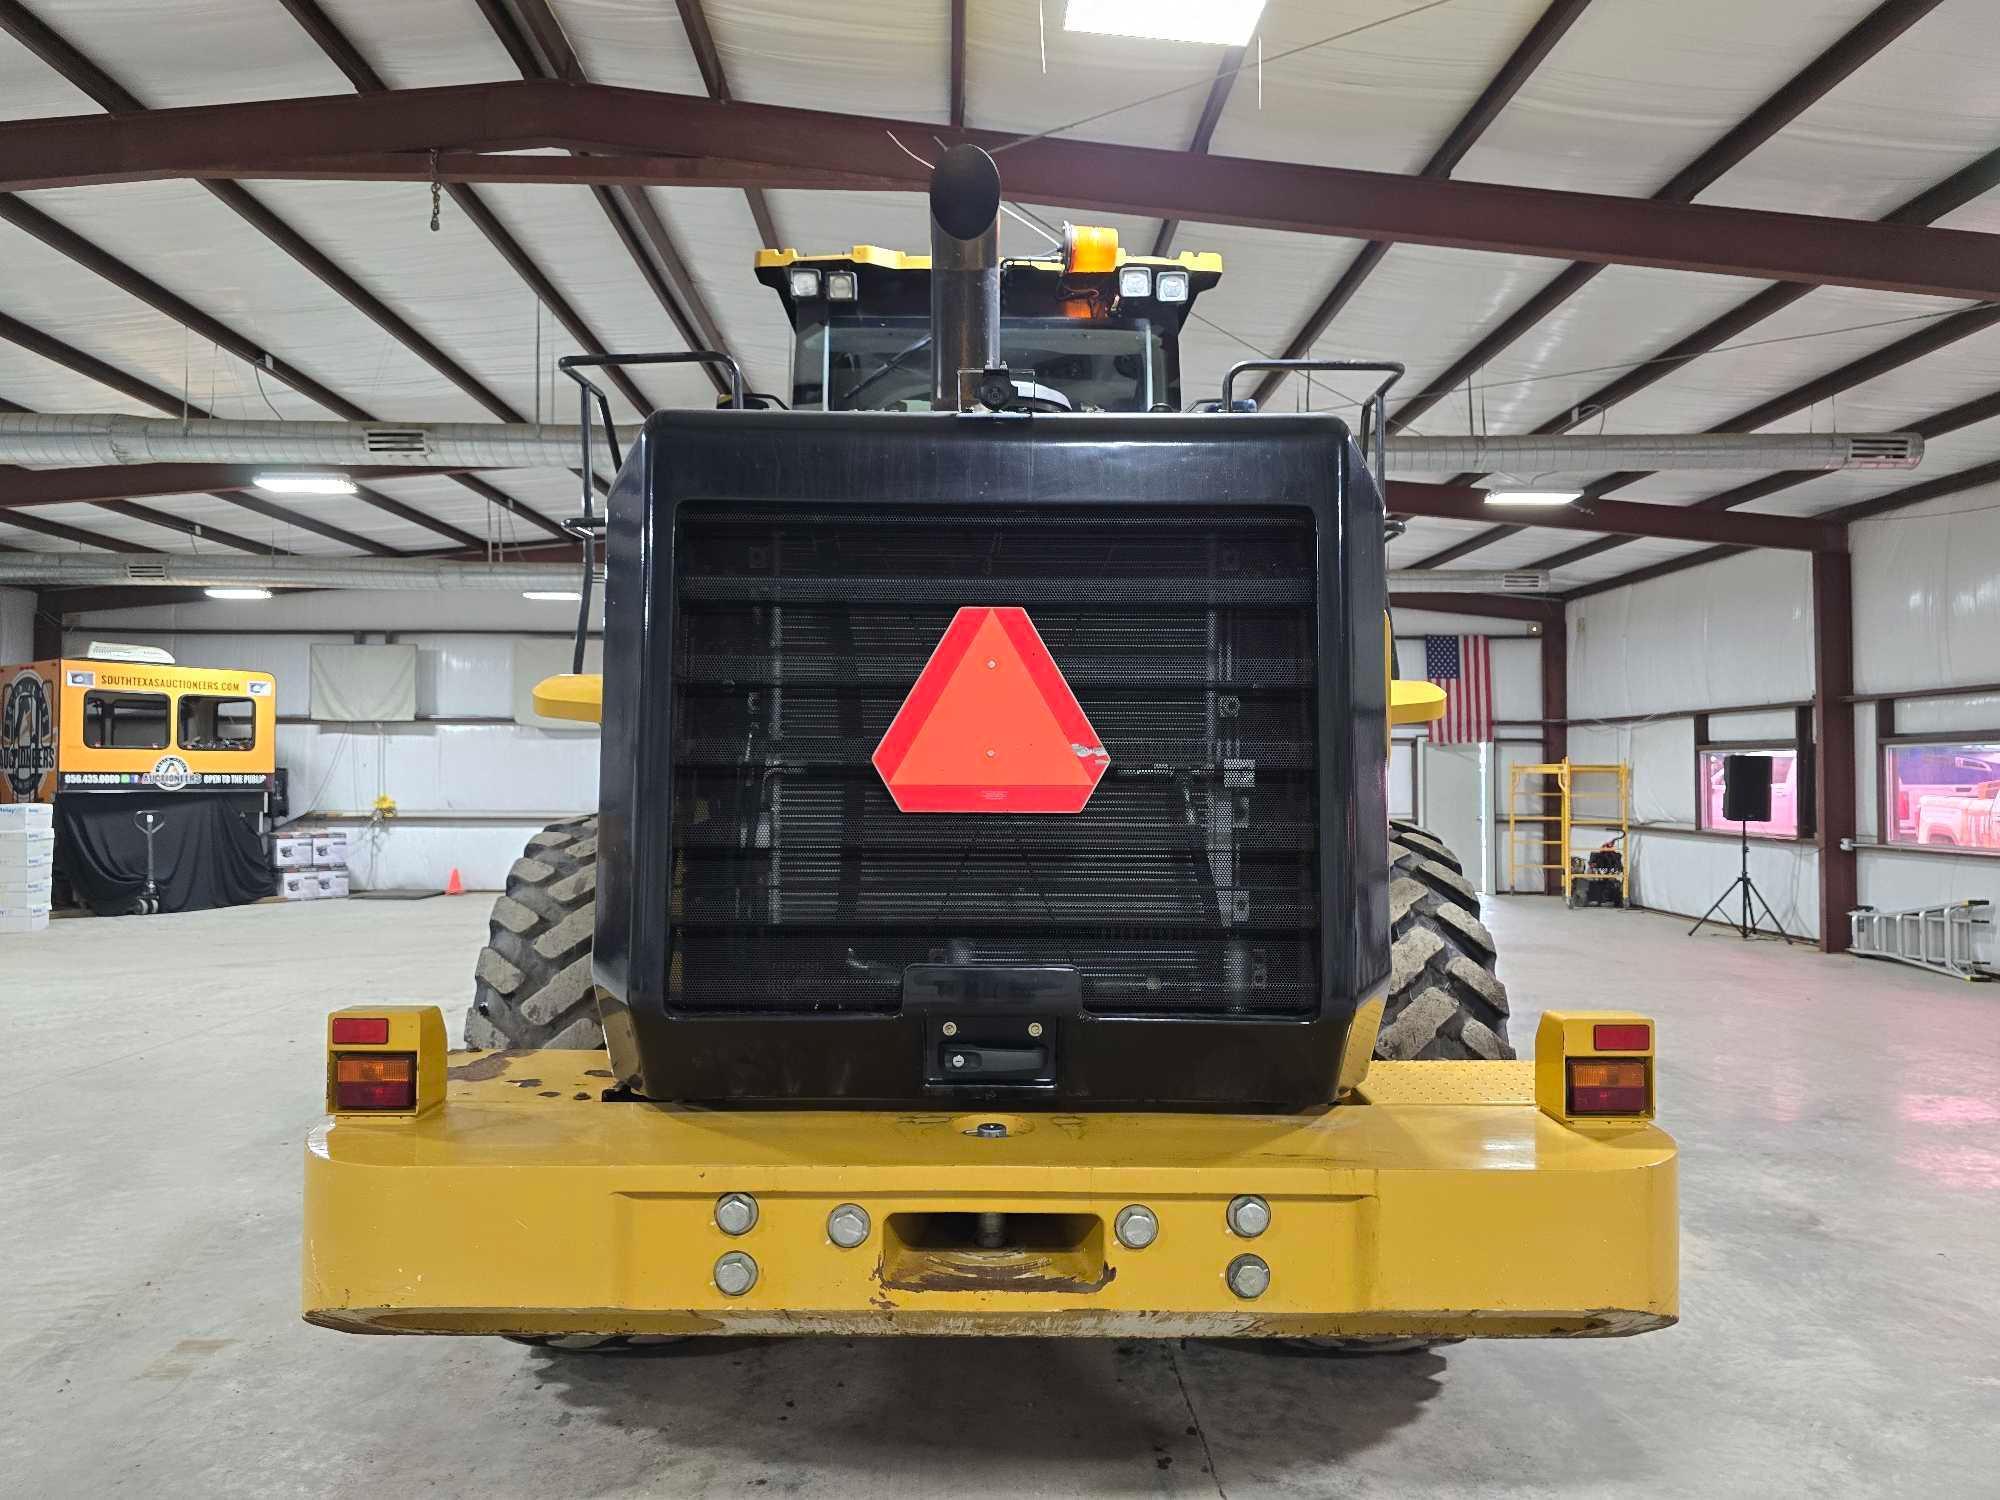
1603,1038
374,1080
1608,1086
373,1031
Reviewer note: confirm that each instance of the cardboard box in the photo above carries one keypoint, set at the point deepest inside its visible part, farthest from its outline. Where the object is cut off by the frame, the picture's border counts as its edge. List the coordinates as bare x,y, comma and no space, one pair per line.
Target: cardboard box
330,850
33,849
291,852
25,887
298,885
23,918
27,817
332,883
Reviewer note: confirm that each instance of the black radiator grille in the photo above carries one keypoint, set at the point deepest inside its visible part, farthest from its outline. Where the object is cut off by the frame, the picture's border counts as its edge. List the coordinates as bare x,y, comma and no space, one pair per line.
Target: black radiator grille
1189,883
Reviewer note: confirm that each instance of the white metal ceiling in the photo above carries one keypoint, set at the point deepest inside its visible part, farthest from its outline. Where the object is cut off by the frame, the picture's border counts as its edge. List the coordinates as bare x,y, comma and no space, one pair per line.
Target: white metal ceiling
1628,97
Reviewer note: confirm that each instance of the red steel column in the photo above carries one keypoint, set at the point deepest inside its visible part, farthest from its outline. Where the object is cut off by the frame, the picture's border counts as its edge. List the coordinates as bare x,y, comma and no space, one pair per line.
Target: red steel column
1833,743
1555,711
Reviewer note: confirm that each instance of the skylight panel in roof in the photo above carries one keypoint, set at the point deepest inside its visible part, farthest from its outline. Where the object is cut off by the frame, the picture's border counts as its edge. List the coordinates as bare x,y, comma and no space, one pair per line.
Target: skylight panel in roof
1222,23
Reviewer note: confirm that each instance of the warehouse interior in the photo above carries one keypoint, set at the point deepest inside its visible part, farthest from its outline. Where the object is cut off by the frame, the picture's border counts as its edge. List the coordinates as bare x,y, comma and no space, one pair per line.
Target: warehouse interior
1692,478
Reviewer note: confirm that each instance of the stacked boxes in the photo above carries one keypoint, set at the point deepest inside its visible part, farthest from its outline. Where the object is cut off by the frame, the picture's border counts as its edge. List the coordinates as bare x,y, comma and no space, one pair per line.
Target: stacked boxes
27,865
292,856
291,851
330,863
311,867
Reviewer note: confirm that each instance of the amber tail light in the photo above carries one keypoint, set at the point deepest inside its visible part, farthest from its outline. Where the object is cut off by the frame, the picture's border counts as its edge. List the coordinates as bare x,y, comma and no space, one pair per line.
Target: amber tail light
1608,1086
374,1080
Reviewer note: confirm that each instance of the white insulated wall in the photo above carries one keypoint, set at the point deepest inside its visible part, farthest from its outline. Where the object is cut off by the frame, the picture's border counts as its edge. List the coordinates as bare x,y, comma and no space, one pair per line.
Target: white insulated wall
470,785
1737,631
1926,615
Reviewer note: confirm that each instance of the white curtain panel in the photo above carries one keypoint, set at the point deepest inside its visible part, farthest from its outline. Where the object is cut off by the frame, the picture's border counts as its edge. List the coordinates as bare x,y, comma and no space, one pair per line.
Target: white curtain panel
364,684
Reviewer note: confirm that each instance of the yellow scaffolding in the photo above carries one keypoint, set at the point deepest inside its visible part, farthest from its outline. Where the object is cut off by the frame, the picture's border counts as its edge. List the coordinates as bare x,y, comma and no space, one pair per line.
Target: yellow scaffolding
1549,799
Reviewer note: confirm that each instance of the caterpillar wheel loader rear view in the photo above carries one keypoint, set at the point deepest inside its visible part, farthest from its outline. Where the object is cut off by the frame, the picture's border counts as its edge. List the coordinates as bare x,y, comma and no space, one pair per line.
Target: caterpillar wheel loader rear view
992,922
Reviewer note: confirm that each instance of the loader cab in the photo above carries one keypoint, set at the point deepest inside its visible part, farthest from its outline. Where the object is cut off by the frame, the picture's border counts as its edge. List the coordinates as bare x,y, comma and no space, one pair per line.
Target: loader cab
1097,330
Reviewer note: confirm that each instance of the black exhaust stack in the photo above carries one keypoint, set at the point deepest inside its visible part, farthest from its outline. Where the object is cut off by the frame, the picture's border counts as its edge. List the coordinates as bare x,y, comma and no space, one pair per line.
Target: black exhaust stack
965,271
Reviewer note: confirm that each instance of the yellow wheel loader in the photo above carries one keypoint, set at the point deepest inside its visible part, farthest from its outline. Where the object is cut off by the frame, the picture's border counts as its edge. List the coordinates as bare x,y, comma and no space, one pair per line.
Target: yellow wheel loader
992,922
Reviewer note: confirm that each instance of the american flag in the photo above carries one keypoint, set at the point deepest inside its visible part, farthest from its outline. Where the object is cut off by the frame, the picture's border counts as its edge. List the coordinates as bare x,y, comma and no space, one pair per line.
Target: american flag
1463,666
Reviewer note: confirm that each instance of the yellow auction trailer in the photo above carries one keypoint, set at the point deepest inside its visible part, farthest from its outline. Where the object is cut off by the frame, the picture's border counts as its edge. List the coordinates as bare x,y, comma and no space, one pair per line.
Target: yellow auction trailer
79,724
159,775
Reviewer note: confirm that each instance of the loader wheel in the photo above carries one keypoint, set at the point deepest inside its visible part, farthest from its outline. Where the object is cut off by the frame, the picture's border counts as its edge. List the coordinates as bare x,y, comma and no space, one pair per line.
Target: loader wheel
1428,843
1444,1000
532,985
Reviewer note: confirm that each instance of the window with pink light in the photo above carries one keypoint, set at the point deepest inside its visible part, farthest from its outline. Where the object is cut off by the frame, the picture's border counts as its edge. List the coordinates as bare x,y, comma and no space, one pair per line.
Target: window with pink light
1786,793
1942,794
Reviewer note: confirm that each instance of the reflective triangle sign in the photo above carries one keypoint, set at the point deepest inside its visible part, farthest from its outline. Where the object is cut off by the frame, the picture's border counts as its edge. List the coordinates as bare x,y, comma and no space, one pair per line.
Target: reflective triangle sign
990,726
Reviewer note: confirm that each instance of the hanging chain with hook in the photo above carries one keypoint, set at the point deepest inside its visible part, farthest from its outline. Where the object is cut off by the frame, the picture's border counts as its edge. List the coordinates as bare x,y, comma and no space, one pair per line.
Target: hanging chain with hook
437,191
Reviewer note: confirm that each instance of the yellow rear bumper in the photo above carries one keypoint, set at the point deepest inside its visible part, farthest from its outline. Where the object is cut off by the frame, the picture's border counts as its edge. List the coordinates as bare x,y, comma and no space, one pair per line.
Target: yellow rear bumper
1446,1204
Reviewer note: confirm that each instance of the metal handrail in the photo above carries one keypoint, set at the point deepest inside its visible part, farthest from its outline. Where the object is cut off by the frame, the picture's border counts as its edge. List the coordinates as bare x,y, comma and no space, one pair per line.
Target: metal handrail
1374,410
586,524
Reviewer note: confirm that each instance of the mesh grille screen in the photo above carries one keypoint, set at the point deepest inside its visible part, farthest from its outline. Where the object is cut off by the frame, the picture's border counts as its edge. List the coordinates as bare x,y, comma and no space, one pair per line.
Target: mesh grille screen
1188,885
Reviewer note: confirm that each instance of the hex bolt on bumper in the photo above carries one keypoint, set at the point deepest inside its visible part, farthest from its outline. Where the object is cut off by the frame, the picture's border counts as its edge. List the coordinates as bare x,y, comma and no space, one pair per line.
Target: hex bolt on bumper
736,1213
735,1274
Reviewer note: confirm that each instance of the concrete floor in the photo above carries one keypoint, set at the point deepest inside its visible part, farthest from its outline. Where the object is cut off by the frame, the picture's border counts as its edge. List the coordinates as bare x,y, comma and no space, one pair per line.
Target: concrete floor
1840,1124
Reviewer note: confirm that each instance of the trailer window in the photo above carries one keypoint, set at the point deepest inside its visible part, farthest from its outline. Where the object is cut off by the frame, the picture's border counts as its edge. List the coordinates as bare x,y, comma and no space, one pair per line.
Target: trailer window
125,721
217,723
1942,794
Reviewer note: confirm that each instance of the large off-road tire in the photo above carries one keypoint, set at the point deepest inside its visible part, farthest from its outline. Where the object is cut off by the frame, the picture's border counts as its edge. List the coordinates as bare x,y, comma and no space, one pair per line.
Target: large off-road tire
1427,843
532,985
1445,1002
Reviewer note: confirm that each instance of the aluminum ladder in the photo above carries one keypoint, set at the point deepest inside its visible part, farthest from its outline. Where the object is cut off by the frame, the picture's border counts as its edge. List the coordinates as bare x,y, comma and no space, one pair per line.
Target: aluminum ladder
1938,938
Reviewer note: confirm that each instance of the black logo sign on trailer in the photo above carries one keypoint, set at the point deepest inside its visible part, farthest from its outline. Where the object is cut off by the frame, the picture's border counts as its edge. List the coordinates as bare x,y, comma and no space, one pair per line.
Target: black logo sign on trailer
27,735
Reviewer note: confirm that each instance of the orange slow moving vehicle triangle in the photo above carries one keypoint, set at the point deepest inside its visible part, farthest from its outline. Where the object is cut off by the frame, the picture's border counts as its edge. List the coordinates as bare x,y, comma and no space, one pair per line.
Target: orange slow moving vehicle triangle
991,726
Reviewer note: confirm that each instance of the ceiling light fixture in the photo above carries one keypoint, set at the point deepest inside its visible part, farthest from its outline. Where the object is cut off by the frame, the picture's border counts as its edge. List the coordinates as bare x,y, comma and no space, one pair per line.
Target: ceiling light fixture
304,484
1218,23
238,593
1533,499
553,596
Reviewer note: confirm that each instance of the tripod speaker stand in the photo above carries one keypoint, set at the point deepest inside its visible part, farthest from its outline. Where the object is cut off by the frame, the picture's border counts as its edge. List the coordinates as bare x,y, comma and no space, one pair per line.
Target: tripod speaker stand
1746,799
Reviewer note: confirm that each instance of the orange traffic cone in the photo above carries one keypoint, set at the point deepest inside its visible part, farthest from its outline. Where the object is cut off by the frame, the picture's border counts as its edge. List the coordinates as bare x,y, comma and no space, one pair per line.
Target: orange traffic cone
453,885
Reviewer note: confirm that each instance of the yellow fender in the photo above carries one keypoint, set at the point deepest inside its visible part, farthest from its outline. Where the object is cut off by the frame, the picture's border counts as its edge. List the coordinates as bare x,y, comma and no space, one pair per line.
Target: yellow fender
1415,702
1409,702
573,695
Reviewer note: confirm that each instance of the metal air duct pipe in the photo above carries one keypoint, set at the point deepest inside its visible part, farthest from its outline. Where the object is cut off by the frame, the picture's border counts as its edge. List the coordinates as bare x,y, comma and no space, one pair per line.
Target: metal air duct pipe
49,440
71,570
56,441
1470,581
1533,457
66,570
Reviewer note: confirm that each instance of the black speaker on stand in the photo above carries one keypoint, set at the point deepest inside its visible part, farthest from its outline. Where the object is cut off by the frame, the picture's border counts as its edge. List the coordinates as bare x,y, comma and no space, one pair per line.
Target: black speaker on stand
1746,799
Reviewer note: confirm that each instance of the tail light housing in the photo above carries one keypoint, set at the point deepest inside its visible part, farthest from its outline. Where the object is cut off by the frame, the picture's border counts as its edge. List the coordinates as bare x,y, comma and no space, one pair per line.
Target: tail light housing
1595,1067
385,1060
